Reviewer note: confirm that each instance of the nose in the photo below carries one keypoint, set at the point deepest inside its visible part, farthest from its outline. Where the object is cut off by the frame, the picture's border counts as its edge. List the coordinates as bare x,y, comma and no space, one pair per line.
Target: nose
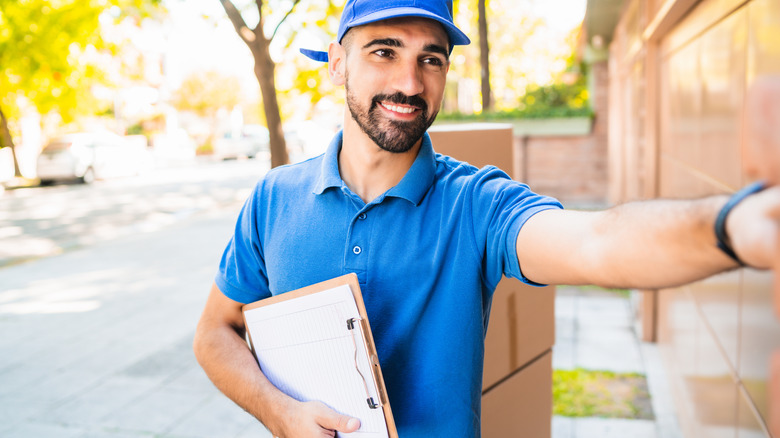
407,77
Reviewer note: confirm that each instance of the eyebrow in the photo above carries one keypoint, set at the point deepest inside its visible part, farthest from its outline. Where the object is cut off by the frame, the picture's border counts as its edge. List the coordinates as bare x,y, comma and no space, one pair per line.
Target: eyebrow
392,42
435,48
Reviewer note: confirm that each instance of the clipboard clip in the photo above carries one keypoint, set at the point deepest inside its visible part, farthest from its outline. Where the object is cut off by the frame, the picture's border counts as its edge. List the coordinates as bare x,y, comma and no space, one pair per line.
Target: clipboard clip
351,326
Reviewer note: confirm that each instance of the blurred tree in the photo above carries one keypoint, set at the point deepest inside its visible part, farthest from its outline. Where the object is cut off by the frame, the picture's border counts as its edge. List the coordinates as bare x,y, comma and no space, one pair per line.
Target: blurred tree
265,68
524,51
306,80
47,53
206,93
484,49
484,55
565,95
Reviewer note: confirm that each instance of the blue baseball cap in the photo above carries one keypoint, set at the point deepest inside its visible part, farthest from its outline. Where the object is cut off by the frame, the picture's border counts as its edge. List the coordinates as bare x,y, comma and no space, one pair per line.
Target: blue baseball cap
359,12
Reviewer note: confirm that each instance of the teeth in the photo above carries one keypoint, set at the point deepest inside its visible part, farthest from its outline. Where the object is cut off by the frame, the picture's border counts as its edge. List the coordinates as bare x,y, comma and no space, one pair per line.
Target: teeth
399,109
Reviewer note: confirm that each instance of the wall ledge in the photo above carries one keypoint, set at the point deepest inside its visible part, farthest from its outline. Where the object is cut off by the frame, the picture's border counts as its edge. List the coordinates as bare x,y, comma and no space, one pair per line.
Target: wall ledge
532,127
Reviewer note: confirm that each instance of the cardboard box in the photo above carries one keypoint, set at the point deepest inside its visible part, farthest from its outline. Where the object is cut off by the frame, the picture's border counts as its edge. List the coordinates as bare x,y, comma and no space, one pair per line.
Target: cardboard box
479,144
522,326
509,411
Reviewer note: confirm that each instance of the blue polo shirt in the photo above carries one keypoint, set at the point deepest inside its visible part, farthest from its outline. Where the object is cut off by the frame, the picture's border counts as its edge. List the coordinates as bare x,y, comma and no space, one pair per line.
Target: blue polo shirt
428,254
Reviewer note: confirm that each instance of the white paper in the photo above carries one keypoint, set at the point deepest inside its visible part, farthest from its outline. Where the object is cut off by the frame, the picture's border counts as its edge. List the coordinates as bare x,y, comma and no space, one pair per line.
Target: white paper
305,349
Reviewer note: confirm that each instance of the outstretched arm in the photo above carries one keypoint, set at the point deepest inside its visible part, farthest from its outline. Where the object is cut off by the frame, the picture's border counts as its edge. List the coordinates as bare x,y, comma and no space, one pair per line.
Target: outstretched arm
647,245
222,352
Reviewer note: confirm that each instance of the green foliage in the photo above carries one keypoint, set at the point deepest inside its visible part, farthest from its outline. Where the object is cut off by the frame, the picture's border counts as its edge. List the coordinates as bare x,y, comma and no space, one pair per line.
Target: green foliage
300,81
50,52
39,46
558,100
136,129
584,393
205,149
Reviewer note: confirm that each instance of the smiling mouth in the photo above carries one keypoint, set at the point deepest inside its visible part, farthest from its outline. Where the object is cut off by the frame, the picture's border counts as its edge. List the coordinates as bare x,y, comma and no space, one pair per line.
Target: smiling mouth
398,109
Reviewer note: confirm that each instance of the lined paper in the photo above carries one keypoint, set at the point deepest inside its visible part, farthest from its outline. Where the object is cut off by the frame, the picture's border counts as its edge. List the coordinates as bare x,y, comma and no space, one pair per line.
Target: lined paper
305,349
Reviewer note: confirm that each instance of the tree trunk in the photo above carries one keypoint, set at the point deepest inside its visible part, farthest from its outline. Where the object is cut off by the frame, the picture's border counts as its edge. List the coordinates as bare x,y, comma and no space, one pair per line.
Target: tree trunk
264,71
6,140
484,58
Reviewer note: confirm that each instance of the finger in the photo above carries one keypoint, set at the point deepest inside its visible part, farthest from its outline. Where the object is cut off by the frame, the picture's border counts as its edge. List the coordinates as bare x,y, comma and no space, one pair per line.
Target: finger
332,420
340,423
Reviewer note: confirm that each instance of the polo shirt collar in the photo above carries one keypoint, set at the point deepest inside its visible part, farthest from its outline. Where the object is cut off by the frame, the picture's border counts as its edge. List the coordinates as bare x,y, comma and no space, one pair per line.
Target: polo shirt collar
413,185
329,173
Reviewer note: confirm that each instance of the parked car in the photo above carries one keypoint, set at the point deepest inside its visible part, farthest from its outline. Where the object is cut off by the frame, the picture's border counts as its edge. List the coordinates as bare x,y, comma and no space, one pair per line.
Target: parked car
250,141
90,156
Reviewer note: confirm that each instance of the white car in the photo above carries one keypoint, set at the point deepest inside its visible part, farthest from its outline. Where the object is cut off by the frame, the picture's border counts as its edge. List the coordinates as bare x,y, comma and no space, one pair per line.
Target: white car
90,156
252,140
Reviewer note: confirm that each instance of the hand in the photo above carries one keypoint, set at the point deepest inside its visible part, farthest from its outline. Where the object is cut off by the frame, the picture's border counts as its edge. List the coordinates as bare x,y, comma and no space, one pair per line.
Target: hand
315,419
752,227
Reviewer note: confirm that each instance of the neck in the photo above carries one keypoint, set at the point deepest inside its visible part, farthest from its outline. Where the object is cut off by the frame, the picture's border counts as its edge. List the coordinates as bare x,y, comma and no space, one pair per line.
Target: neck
368,170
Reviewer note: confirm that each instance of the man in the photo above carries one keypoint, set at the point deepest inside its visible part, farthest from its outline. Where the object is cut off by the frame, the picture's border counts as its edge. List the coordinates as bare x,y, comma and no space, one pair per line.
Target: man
430,237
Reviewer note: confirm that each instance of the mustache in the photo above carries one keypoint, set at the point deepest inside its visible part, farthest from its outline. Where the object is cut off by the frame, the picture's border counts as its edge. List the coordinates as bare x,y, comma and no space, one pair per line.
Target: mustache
402,99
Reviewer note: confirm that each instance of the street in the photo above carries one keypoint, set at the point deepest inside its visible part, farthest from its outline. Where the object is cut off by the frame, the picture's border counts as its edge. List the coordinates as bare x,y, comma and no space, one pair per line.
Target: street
43,221
101,287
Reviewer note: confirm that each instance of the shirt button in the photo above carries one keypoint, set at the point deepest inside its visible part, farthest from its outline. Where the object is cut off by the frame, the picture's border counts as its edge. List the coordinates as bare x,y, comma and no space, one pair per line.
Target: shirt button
362,216
357,250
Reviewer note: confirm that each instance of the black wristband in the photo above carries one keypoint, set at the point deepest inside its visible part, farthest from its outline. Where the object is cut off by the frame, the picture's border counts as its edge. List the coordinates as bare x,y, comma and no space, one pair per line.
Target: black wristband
724,243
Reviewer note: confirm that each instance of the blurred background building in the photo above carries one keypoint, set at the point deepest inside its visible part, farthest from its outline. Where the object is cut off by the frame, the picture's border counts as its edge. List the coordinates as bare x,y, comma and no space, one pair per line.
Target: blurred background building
678,74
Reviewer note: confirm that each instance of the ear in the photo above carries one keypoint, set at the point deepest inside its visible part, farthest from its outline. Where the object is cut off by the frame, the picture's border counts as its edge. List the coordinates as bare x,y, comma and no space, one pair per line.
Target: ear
337,59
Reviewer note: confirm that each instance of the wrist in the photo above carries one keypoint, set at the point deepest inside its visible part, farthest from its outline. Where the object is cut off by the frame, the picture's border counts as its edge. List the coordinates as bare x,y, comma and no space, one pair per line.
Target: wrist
280,414
721,233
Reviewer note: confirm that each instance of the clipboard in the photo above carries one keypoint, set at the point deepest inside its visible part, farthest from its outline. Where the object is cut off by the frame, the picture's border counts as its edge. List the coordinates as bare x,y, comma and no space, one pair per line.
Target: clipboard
315,343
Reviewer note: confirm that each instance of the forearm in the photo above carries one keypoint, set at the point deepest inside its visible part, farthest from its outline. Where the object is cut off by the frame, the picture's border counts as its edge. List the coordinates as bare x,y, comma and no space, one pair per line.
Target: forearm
651,244
222,352
225,357
656,244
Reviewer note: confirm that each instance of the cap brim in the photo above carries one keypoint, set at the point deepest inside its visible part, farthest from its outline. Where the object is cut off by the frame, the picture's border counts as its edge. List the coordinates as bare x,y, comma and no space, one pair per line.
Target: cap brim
456,36
315,55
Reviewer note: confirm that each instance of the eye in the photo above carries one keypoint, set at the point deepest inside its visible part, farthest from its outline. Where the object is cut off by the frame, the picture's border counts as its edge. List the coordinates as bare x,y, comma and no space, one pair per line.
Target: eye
433,61
383,53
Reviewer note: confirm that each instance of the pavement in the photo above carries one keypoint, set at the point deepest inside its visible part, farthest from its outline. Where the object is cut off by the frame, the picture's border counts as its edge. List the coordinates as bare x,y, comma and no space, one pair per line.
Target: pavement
96,342
595,330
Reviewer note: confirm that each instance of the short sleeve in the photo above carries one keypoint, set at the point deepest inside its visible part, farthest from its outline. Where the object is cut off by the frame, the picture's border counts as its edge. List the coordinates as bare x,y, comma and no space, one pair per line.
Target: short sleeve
242,273
501,207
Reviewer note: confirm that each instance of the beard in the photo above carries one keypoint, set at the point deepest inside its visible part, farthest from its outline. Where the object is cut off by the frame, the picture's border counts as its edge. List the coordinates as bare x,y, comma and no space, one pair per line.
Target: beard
390,135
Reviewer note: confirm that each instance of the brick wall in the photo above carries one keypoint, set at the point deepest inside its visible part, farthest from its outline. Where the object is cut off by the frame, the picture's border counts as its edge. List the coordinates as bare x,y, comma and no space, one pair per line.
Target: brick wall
570,168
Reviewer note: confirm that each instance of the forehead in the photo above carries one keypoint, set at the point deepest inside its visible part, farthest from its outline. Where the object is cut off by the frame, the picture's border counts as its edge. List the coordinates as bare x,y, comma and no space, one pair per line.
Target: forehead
404,28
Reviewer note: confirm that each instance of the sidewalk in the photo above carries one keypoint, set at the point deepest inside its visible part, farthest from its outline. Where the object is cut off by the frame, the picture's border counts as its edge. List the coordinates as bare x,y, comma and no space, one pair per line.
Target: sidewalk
595,331
96,342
